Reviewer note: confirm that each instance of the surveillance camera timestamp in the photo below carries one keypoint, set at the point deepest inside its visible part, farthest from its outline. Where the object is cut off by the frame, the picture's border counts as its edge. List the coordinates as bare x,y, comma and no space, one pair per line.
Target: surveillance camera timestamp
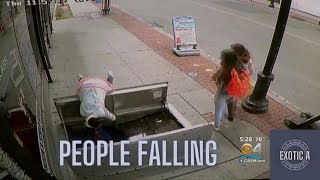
27,2
251,139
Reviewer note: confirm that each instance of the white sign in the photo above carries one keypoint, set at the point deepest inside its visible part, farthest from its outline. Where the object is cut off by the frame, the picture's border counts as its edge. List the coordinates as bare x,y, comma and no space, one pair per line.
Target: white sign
184,30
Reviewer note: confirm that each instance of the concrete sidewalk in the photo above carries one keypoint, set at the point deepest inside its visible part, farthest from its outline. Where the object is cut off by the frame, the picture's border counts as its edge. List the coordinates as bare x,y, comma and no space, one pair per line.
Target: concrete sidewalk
91,44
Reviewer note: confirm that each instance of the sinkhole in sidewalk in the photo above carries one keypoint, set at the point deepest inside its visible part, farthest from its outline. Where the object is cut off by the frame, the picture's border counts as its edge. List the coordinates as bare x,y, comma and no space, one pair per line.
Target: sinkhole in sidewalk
151,124
141,112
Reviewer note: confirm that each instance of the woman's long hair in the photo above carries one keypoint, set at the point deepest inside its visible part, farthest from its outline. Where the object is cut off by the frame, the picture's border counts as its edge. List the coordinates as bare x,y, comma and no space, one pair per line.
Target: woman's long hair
242,52
229,61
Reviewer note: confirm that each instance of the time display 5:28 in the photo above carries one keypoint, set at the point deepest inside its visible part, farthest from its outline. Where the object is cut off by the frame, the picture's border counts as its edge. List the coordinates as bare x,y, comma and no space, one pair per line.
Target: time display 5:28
246,139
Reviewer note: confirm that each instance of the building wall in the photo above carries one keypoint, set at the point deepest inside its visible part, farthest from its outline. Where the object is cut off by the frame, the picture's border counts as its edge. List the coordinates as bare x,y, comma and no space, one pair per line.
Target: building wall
308,6
22,74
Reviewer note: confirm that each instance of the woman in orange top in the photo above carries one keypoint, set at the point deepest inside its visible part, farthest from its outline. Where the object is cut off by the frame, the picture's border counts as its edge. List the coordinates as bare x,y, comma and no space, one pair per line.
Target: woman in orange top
245,64
222,77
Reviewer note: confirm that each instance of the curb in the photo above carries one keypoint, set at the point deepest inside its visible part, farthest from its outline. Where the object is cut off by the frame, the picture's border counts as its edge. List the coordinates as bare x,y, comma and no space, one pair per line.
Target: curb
297,110
270,94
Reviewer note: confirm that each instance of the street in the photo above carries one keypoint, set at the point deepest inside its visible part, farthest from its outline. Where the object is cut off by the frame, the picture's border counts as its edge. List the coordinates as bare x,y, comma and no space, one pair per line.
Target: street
223,22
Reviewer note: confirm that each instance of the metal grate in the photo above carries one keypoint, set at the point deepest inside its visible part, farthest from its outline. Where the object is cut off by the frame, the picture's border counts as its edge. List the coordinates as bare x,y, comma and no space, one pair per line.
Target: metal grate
40,133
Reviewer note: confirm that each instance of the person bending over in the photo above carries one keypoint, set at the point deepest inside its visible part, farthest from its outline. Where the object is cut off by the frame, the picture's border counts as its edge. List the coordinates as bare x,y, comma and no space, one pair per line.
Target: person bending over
92,93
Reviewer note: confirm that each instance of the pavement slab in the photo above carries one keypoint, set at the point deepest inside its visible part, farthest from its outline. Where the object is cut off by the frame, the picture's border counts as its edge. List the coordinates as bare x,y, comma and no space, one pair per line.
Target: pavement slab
122,41
202,100
140,57
155,69
178,82
152,173
216,172
226,151
264,176
187,111
111,59
246,171
126,83
94,66
238,130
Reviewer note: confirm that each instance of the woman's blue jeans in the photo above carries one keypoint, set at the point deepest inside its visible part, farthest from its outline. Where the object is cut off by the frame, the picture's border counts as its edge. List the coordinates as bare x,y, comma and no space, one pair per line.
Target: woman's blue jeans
220,110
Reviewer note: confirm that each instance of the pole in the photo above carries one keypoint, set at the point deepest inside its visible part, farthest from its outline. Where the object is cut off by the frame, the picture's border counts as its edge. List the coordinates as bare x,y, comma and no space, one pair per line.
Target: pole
257,102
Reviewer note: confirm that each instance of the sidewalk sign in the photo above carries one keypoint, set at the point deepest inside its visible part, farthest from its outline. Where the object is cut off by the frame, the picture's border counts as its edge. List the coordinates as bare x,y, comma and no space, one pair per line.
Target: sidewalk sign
184,32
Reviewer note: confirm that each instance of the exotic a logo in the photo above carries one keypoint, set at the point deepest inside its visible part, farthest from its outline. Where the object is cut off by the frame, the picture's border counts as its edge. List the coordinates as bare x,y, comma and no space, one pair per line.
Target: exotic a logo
295,155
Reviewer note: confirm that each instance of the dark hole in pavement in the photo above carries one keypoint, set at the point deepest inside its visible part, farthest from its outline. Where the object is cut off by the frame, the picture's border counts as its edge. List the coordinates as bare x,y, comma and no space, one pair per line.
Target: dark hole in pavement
149,125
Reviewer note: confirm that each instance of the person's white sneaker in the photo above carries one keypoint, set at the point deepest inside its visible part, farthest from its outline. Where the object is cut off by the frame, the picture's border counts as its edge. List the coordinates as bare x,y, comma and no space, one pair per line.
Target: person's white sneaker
226,123
213,123
80,77
215,127
110,77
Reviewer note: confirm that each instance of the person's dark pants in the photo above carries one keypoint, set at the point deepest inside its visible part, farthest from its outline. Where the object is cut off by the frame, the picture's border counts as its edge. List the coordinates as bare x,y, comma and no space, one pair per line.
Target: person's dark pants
232,104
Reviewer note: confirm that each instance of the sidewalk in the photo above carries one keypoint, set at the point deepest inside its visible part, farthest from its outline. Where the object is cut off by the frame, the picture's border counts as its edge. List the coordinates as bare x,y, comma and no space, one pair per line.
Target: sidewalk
162,44
293,12
91,44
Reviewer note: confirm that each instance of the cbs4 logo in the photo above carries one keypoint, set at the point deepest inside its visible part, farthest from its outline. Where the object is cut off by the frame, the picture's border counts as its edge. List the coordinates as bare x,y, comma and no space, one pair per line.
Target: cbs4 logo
248,149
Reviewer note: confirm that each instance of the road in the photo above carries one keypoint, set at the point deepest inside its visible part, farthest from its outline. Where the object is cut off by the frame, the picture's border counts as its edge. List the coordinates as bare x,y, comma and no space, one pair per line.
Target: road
223,22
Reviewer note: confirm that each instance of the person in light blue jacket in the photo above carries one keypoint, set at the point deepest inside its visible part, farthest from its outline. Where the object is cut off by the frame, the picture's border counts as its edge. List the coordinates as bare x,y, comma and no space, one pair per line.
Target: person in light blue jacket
92,93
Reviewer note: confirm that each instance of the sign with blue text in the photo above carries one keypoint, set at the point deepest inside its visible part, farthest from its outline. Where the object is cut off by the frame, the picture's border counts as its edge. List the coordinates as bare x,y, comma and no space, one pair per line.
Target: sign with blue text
184,31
